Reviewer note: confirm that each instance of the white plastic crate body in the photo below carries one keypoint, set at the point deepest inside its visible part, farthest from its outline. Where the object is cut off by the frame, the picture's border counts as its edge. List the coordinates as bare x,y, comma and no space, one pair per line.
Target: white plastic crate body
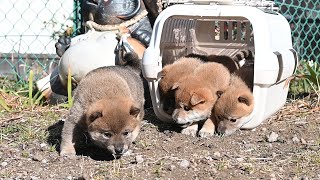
275,58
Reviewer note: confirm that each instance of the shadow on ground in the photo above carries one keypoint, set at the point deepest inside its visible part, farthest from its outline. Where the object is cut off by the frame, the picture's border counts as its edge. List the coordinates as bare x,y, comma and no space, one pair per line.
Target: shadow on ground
84,148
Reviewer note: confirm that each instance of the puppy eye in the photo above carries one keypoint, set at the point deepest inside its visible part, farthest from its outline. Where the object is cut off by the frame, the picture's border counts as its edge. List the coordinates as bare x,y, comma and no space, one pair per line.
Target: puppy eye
107,134
233,120
186,108
219,118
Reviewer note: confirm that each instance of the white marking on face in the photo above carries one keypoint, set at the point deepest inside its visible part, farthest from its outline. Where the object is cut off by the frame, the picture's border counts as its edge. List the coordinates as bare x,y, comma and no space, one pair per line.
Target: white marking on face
188,117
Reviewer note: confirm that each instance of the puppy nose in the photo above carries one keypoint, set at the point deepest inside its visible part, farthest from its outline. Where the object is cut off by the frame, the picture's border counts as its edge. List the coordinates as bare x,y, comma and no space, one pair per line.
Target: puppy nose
118,148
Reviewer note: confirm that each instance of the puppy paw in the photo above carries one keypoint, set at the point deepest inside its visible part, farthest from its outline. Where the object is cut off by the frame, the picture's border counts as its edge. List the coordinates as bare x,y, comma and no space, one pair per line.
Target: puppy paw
204,132
68,152
191,131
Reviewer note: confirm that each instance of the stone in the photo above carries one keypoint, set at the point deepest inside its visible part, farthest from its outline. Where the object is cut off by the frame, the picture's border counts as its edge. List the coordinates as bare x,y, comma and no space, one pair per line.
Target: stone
272,137
139,159
184,164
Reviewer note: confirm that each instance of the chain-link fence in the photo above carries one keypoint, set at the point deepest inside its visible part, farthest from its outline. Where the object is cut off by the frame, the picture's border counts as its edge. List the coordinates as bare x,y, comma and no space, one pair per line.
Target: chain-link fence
29,31
30,28
304,19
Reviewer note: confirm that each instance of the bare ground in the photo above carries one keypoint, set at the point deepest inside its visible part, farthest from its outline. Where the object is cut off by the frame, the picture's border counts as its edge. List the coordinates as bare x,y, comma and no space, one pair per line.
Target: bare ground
29,145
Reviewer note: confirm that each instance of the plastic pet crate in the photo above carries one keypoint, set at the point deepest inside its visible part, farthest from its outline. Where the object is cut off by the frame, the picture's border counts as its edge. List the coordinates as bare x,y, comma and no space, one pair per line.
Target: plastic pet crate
205,27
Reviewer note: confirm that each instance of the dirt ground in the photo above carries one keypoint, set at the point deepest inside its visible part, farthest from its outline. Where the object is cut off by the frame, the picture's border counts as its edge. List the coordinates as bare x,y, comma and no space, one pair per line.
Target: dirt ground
29,145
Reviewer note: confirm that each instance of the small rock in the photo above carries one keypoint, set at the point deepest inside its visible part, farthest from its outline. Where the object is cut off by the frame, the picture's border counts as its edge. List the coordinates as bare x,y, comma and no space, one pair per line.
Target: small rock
216,154
4,164
43,145
184,163
44,161
273,137
69,177
128,153
139,159
34,178
304,178
171,167
209,158
264,129
240,159
37,157
303,141
295,139
167,132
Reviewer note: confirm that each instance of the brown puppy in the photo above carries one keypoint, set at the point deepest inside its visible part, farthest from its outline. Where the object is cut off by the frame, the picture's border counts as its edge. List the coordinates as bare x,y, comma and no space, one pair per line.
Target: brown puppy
233,109
196,94
108,104
170,74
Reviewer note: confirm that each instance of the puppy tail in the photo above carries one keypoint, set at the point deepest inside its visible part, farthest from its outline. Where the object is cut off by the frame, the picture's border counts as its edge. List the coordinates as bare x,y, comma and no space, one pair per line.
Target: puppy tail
244,54
131,59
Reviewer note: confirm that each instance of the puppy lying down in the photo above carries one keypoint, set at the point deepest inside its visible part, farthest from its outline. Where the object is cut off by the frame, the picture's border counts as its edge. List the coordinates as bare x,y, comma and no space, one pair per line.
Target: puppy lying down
234,107
170,74
196,94
108,105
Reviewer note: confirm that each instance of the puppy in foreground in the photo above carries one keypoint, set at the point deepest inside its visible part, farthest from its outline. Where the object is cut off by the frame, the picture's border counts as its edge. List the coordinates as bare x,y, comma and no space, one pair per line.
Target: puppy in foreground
170,74
195,96
234,108
108,105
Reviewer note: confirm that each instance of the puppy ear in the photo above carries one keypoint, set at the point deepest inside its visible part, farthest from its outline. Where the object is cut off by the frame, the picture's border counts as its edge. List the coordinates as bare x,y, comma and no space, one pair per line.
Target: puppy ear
95,115
175,86
94,112
196,99
245,100
219,93
134,111
162,73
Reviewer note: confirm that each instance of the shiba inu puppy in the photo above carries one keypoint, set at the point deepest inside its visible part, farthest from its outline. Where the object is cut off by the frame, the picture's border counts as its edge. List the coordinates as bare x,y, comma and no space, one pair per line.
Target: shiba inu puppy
196,94
170,74
108,105
233,109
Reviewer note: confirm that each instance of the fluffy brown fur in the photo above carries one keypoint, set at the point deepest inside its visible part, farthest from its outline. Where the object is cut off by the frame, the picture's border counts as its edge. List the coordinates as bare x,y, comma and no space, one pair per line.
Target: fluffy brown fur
196,94
108,105
170,74
235,105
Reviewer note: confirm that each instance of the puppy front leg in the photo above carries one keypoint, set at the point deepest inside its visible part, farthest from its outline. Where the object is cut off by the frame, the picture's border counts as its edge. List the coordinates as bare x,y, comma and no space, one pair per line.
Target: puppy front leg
208,128
67,146
191,130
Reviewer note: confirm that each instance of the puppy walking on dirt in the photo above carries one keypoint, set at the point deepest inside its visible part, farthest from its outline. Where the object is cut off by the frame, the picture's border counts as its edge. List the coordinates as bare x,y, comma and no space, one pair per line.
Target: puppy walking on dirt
108,104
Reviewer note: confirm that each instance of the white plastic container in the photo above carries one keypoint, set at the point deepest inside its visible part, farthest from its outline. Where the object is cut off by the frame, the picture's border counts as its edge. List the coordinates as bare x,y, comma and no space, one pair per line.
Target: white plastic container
185,28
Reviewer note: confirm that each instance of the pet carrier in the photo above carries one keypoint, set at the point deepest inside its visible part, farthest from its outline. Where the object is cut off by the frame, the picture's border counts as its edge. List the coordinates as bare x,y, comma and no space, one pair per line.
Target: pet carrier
210,27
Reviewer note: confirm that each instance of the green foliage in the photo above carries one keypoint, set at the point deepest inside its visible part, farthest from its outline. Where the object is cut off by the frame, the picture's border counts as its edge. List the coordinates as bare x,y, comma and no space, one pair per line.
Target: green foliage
4,104
70,99
307,78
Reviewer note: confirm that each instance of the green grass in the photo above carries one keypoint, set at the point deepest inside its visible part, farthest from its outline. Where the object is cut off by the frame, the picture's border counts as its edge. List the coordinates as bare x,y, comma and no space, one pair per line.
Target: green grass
306,78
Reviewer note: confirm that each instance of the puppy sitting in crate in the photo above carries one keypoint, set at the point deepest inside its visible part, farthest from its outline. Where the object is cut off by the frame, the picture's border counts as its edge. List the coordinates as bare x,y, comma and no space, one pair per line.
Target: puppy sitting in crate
108,105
